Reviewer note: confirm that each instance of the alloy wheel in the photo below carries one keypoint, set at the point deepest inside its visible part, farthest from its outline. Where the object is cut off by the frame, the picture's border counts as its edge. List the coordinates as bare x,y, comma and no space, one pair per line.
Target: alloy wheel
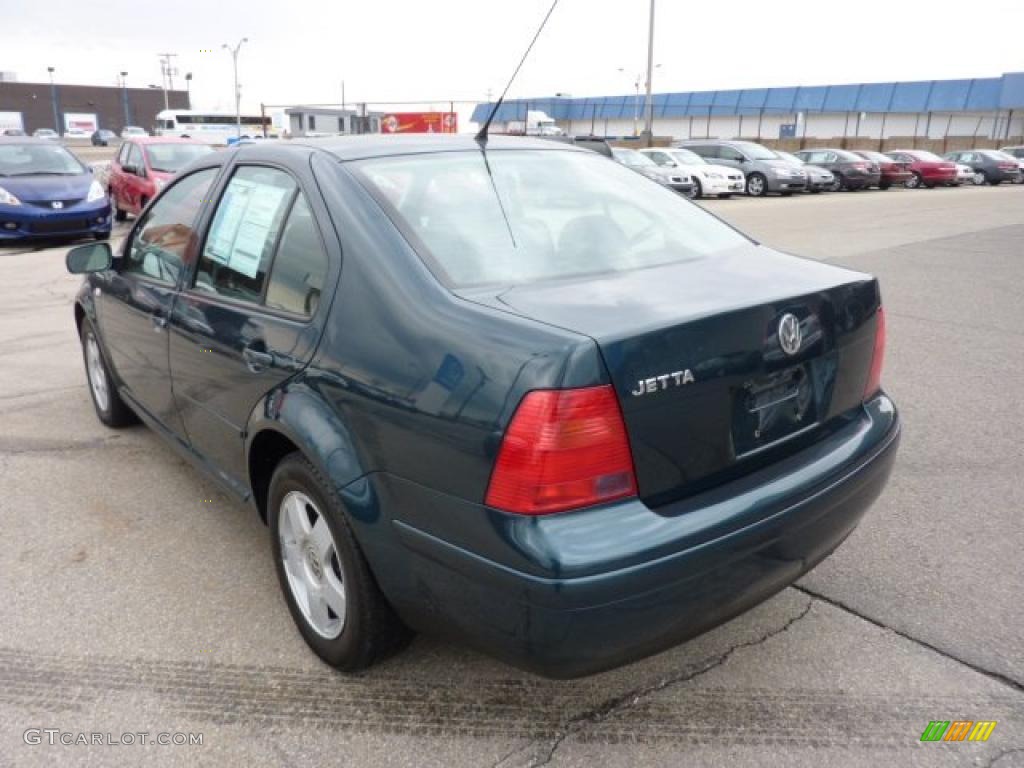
978,178
311,564
97,373
755,186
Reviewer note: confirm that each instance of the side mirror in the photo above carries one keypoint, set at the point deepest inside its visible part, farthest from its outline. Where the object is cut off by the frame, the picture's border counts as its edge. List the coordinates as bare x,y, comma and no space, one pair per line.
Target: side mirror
93,257
741,159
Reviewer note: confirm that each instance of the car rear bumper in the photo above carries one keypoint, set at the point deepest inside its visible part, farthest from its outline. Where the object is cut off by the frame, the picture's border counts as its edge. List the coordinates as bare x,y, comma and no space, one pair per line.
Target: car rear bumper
581,592
23,221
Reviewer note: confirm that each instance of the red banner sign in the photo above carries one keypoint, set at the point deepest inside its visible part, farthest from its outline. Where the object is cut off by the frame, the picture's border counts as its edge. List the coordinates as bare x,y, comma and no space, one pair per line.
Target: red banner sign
420,122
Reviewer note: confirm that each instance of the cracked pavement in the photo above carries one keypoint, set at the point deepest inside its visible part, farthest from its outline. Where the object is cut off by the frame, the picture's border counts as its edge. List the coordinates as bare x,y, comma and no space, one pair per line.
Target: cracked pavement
139,598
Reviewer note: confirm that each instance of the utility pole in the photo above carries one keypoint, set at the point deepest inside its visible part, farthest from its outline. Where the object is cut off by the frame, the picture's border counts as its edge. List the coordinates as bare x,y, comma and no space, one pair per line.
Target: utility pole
238,94
167,72
649,105
124,97
53,99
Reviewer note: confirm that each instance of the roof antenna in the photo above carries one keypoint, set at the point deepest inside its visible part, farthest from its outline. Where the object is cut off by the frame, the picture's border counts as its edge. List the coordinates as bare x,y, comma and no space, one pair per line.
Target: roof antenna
482,134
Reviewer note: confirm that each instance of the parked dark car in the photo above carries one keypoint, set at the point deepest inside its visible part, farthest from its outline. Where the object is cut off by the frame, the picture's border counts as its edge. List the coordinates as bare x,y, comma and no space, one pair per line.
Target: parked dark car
514,394
926,168
46,191
891,172
990,166
850,171
103,137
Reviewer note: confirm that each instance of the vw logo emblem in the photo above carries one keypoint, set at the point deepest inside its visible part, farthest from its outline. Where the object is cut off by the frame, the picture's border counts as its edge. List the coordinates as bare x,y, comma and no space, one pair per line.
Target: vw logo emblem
789,334
57,204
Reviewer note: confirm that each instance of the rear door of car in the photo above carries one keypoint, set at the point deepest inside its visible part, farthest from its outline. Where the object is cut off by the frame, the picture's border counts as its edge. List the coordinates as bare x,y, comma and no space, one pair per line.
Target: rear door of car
254,305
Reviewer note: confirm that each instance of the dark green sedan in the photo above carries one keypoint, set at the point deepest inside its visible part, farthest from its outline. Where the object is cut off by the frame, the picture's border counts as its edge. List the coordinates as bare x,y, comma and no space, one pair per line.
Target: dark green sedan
512,393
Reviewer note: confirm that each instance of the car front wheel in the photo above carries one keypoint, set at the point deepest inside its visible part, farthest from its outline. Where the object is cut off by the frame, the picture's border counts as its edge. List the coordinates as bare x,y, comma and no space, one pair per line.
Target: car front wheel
978,178
110,408
914,182
331,594
696,192
757,186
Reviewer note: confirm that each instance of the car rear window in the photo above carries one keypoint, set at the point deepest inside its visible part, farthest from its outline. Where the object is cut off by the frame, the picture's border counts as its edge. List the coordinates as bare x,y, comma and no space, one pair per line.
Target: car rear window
525,215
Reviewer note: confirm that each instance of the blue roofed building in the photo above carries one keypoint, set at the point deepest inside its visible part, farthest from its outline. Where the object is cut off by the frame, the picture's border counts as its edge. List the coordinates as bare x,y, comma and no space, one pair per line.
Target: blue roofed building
953,112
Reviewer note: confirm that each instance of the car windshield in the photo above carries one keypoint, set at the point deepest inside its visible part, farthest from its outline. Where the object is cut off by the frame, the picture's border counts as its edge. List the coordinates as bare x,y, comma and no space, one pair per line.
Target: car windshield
1015,151
928,157
848,157
631,157
37,160
757,152
791,158
171,158
528,215
876,157
686,157
995,154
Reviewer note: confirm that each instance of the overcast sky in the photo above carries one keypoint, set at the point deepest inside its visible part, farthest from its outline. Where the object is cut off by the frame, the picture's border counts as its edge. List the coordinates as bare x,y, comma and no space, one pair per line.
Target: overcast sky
389,50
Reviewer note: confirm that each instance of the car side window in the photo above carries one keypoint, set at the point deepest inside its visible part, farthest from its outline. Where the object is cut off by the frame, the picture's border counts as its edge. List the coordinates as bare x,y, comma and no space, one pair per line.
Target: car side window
122,154
162,235
300,264
246,226
728,153
135,156
660,158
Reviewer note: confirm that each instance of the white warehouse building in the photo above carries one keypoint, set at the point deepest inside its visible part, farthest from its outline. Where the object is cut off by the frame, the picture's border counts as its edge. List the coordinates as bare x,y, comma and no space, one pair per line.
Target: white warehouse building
929,113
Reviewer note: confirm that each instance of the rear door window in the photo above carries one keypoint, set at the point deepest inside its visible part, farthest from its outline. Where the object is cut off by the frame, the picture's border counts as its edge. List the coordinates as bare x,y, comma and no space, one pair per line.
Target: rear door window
246,226
300,265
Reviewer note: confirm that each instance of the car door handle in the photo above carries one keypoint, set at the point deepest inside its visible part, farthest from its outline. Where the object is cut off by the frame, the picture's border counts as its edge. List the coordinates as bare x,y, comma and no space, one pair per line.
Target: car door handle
256,360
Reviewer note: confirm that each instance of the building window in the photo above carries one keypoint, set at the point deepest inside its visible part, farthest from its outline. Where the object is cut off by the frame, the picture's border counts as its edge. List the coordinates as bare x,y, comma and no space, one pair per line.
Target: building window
311,121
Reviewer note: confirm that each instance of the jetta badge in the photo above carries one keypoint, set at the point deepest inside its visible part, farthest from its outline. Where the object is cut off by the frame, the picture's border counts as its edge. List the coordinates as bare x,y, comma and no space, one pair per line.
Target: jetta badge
57,204
790,334
663,381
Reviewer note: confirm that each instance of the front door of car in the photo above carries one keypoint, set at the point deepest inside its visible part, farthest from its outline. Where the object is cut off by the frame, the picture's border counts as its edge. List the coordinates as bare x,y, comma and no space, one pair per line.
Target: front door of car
134,304
134,179
731,157
251,316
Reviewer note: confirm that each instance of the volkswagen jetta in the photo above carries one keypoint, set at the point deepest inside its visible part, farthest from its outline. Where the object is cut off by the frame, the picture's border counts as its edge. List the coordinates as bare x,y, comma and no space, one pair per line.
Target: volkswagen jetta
513,393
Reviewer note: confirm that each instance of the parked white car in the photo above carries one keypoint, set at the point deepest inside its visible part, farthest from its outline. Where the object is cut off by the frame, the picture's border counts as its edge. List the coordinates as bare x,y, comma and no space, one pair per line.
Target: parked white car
964,175
708,179
1018,154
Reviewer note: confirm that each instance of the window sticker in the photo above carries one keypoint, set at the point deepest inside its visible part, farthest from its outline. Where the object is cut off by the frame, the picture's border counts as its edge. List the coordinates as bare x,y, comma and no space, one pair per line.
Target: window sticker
244,225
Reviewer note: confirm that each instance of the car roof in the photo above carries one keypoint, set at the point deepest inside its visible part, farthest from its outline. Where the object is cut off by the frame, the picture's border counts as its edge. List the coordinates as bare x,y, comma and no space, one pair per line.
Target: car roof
380,145
162,140
27,140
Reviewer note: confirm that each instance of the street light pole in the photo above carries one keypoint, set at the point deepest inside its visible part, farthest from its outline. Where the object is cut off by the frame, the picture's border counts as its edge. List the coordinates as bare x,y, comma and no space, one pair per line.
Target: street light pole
649,105
53,100
124,98
238,95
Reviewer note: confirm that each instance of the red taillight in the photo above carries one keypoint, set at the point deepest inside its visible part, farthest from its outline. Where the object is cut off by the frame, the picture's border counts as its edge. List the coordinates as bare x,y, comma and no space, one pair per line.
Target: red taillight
563,449
875,374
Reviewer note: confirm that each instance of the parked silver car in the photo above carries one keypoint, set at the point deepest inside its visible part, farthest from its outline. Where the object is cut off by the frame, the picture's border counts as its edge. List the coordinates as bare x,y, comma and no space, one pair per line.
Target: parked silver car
764,170
818,178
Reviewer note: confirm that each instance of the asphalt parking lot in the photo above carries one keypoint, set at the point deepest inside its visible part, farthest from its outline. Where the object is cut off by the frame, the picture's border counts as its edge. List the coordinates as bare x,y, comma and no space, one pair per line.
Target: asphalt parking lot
140,599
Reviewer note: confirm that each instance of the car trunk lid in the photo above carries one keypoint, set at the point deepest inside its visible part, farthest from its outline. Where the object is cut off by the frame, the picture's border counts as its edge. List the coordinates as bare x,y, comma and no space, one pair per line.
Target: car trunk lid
695,355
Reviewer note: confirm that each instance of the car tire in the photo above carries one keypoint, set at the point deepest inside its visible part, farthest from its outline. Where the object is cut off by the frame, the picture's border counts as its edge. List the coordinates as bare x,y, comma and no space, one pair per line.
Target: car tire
697,192
915,181
724,195
119,215
837,184
757,185
994,182
884,185
110,408
325,566
978,179
102,235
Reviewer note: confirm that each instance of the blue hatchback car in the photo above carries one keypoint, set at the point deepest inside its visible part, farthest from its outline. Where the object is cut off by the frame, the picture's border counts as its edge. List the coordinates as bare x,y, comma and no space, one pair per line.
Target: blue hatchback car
513,393
45,191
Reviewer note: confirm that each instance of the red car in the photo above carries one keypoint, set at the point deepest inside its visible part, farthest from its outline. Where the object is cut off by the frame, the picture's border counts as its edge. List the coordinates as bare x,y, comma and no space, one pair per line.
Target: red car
892,171
143,165
926,168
